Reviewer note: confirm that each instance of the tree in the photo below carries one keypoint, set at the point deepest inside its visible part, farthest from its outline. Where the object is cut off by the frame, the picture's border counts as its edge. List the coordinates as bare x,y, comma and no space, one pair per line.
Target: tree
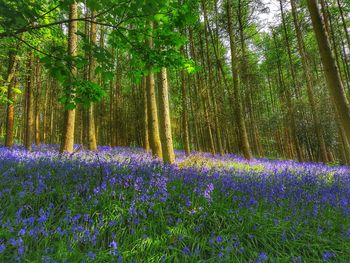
92,145
37,100
29,102
12,64
236,87
334,82
309,84
164,118
69,113
146,144
152,112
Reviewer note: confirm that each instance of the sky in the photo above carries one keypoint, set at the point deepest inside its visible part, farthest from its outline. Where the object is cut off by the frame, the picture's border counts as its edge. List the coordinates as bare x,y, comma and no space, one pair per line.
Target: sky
272,16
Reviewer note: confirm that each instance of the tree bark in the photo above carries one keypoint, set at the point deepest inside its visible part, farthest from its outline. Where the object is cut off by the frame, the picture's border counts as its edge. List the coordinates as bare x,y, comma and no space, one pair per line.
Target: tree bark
146,144
309,85
211,82
164,118
37,102
29,124
185,132
334,82
236,88
10,114
153,125
92,145
67,143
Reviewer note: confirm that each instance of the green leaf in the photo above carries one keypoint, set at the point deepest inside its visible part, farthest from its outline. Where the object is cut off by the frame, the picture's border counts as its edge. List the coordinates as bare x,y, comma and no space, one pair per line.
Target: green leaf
16,90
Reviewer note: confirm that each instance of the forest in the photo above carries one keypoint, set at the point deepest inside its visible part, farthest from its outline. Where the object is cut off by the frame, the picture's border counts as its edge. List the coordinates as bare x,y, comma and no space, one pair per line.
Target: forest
174,131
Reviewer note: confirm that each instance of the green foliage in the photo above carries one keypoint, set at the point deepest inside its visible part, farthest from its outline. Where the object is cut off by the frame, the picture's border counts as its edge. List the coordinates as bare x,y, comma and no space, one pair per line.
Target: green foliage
87,91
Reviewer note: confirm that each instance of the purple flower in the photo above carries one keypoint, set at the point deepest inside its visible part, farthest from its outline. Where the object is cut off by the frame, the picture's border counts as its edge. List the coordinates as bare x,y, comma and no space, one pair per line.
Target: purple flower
113,245
2,248
262,257
21,232
20,250
327,255
91,255
208,191
186,251
13,241
219,239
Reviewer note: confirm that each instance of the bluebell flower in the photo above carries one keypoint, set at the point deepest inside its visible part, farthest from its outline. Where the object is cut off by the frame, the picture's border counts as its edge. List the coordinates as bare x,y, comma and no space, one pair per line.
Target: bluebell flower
21,232
113,245
186,251
2,248
262,257
327,255
219,239
91,255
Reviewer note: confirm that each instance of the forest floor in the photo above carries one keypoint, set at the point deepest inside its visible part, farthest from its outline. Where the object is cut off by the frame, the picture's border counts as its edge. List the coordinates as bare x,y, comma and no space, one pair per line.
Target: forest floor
121,205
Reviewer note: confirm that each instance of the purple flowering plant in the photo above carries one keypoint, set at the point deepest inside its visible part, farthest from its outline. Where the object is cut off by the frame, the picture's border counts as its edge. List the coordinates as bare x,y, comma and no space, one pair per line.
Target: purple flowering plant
122,205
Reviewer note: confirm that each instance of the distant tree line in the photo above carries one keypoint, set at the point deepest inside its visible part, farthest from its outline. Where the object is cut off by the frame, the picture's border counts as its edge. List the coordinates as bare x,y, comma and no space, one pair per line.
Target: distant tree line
197,75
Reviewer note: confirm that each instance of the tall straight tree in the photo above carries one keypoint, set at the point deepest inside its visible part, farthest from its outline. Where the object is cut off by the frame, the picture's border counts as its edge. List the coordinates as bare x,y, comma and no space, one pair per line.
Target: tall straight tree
29,126
92,145
153,126
185,132
10,114
164,118
211,82
146,144
288,92
38,84
309,83
236,86
334,82
69,114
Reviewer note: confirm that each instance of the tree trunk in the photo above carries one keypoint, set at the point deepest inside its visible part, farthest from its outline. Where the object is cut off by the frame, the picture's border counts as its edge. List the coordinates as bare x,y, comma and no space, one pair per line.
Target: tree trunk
164,118
92,145
236,88
44,127
340,8
67,143
309,85
10,115
185,132
146,144
153,125
29,127
37,102
334,83
210,82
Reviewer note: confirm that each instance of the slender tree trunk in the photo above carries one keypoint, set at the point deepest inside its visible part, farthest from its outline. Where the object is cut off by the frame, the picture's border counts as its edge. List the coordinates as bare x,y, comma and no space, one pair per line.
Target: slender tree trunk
10,115
203,90
146,144
45,111
153,125
334,82
345,27
247,82
118,104
67,143
92,145
185,132
37,102
164,118
29,105
236,88
309,85
211,82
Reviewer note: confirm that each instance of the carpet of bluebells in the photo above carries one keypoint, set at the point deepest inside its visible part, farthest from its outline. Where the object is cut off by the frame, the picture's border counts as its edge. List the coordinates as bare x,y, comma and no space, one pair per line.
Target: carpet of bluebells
121,205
